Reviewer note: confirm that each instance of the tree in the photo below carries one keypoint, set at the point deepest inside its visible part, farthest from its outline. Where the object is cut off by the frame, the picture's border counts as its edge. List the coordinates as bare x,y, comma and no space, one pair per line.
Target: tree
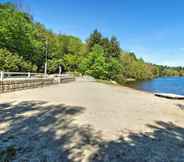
111,47
95,38
23,47
18,33
114,68
114,49
94,64
135,68
53,65
21,35
12,62
71,62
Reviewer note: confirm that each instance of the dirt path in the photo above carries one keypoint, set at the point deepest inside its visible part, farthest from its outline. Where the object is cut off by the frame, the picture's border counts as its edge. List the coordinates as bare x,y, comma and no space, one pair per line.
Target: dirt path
89,121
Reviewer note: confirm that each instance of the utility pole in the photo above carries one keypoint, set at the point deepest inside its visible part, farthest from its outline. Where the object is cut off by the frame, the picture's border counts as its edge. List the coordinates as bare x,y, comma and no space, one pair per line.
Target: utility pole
46,55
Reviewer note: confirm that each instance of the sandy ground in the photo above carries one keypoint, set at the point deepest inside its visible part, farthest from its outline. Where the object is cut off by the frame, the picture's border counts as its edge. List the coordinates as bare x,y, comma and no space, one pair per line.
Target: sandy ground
89,121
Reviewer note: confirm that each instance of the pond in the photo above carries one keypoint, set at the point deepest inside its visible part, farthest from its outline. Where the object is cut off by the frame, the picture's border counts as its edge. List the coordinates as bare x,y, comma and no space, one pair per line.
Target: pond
163,84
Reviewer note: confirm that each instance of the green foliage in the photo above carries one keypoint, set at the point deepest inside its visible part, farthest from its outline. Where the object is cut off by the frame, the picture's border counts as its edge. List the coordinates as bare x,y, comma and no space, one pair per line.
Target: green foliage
135,68
95,38
94,64
13,62
24,43
18,33
71,45
170,72
114,68
111,47
98,66
71,62
21,35
53,65
114,49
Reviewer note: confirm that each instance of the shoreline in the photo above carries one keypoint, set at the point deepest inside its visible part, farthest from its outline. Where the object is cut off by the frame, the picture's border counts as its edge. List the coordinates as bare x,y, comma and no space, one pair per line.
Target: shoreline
122,85
170,85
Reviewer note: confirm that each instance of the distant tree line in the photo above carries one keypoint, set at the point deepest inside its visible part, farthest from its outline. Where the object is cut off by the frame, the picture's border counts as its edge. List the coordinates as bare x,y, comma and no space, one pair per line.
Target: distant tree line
23,44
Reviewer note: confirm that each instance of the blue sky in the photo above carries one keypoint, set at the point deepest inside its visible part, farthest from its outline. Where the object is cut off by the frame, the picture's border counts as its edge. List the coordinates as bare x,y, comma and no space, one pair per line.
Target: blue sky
153,29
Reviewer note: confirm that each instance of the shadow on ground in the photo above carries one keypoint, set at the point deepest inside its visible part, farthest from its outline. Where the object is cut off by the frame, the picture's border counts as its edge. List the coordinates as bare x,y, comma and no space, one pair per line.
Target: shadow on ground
36,131
165,144
40,132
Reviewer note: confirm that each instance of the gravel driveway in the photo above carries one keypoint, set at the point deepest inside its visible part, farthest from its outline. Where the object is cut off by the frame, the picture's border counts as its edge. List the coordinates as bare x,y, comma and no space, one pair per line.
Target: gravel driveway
90,121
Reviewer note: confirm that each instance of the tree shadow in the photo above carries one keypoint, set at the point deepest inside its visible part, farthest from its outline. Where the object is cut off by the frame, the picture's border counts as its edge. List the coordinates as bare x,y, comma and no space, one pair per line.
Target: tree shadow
38,131
35,131
164,144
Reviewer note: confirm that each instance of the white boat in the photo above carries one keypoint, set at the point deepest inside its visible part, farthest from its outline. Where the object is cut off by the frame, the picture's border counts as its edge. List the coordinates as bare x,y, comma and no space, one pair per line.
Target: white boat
169,95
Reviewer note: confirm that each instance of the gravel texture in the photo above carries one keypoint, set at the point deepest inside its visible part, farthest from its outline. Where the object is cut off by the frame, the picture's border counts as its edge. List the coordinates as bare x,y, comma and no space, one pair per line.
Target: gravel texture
90,121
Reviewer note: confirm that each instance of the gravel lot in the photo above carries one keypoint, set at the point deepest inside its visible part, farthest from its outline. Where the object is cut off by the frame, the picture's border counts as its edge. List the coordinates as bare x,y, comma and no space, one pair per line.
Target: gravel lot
90,121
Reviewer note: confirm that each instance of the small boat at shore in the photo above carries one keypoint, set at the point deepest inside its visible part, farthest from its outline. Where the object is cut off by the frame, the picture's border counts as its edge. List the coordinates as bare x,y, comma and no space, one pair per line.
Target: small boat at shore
169,95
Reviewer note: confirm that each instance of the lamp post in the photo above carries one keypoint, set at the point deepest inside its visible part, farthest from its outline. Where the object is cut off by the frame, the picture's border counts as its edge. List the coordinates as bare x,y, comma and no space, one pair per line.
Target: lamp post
46,53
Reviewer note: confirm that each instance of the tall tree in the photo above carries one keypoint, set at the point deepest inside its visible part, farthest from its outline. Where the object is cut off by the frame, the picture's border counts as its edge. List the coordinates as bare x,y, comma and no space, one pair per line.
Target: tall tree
114,48
95,38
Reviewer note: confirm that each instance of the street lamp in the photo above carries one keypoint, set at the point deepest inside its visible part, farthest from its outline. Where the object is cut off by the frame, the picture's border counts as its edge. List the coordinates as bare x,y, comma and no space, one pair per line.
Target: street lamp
46,53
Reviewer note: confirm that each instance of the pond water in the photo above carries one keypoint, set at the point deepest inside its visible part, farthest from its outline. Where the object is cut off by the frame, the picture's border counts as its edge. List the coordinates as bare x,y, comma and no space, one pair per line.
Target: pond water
163,84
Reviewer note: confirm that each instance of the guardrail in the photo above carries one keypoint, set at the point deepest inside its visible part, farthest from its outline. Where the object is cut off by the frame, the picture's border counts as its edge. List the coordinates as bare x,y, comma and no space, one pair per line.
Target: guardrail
6,75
